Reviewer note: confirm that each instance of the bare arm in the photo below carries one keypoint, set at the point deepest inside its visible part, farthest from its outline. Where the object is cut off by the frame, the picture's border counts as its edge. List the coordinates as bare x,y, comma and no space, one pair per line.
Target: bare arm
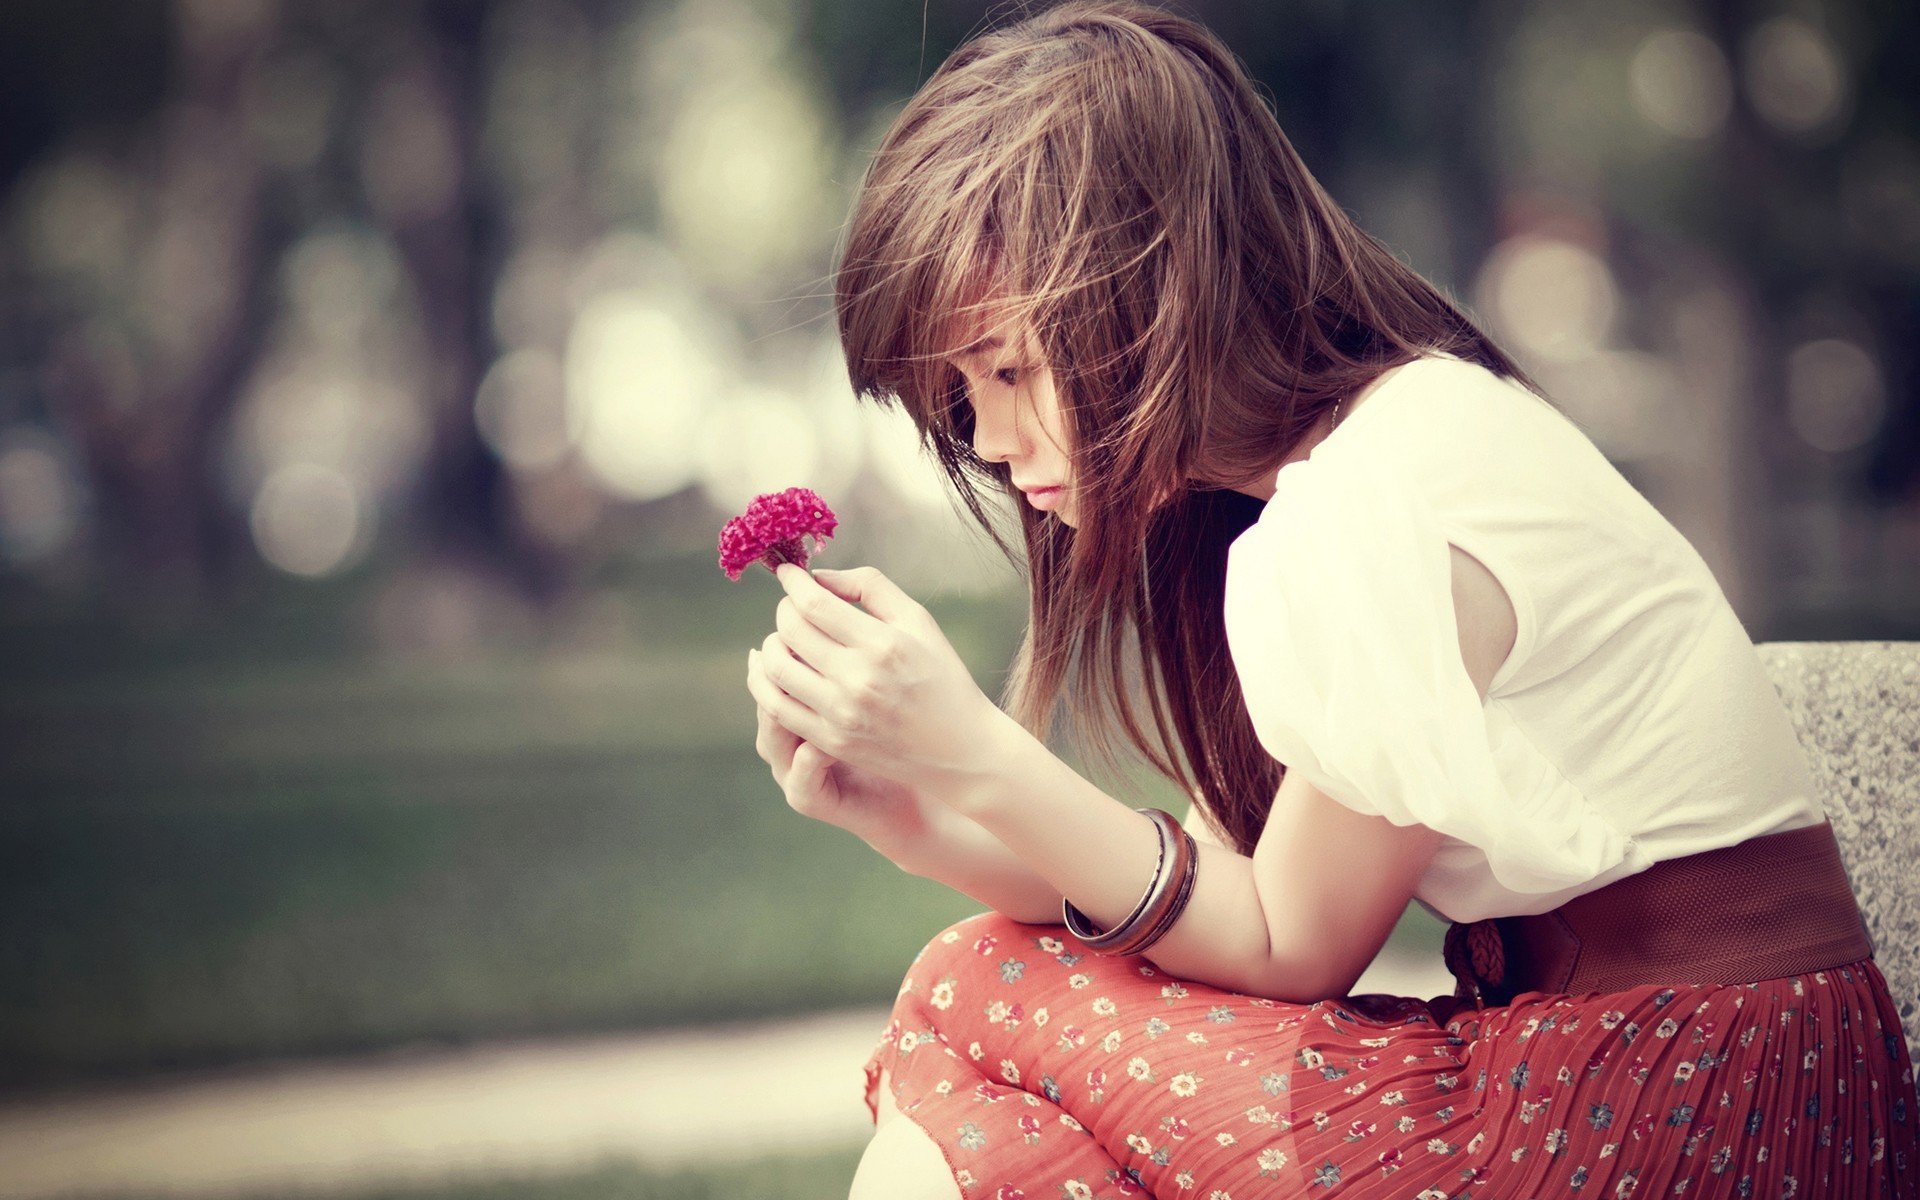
1297,920
959,852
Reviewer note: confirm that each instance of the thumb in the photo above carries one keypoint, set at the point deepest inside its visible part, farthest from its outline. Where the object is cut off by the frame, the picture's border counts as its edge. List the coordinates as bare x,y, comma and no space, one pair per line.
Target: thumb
811,763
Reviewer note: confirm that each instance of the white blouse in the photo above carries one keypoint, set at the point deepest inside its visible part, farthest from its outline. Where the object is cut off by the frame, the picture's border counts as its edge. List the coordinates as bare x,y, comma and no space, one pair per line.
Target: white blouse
1632,721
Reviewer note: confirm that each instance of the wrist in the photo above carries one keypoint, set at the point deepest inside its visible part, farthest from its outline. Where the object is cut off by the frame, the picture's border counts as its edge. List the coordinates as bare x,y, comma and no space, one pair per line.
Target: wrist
999,752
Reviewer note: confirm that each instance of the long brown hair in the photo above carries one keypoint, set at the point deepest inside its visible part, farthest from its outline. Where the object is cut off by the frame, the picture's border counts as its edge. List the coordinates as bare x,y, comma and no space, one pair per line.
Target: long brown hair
1107,174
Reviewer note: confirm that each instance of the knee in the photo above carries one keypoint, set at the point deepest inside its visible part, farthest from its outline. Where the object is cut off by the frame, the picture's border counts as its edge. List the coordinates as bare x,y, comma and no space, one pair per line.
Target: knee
971,940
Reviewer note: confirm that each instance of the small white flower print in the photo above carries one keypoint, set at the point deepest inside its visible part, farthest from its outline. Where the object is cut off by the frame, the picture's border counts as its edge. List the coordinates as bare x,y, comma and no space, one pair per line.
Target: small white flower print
942,996
975,1052
972,1137
944,1087
1437,1146
1139,1068
1111,1042
1184,1180
1079,979
1052,945
1196,1037
964,1177
1040,1017
1396,1096
1519,1152
1184,1085
1225,1139
1067,1120
950,937
908,1041
1666,1028
1009,1070
1173,991
1077,1190
1272,1159
997,1011
1139,1144
1103,1006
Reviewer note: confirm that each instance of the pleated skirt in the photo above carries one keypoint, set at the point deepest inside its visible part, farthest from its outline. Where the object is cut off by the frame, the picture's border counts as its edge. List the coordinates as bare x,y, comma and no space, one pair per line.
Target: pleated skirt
1046,1072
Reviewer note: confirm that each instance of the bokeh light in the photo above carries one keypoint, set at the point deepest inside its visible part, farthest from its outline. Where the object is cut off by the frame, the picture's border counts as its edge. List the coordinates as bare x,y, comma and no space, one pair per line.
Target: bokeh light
1555,298
1795,78
41,497
521,409
640,369
309,519
1836,394
1680,82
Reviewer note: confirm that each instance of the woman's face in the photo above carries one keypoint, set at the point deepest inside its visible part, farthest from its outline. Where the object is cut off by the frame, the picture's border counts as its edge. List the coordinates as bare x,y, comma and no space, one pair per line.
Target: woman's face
1016,415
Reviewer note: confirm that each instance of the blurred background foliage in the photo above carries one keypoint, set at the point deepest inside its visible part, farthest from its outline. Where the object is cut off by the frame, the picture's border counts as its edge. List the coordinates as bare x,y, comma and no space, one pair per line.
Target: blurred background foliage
375,378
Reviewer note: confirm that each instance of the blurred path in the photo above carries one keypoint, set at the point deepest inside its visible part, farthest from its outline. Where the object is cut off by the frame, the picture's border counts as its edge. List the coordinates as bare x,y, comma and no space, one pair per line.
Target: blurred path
665,1099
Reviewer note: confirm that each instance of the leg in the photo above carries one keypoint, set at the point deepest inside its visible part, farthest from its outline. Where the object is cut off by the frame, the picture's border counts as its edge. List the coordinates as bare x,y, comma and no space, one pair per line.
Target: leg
953,1050
902,1163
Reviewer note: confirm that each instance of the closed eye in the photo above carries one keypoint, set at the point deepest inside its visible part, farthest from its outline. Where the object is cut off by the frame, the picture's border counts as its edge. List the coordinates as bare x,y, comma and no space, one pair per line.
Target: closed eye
1008,375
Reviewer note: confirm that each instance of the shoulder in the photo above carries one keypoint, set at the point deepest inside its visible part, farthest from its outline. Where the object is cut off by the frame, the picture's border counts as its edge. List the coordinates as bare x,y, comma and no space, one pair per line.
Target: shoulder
1437,399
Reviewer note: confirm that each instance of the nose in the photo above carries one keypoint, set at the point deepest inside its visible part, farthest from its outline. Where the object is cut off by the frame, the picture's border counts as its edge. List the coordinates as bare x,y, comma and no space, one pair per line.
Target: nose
994,440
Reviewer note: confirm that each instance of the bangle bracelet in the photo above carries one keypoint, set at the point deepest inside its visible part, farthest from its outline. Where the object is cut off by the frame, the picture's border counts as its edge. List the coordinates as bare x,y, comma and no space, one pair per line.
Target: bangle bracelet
1182,893
1099,942
1174,865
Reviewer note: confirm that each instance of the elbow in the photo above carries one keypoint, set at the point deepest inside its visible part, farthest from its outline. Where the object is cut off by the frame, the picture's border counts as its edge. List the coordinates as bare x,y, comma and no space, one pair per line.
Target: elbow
1299,971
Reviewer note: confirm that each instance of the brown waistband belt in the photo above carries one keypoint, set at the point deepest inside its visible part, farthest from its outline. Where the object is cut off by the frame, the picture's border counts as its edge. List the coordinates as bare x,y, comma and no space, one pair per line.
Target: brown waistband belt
1774,905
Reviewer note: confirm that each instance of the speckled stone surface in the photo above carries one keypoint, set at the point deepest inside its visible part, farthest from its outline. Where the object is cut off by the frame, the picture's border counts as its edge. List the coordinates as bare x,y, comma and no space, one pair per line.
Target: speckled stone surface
1856,707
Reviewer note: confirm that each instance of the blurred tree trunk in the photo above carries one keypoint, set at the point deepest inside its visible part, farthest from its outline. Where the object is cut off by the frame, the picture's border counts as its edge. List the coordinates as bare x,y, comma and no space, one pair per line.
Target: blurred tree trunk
450,228
204,273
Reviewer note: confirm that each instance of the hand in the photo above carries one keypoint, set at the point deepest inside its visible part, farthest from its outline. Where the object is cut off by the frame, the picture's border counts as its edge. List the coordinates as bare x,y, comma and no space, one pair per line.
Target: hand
894,818
880,688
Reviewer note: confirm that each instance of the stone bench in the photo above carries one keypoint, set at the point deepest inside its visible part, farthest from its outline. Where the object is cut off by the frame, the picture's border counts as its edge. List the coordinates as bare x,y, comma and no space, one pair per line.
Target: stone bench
1856,707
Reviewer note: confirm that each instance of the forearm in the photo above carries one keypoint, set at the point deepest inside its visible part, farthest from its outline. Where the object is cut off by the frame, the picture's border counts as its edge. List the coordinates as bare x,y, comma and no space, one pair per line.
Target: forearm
959,852
1100,853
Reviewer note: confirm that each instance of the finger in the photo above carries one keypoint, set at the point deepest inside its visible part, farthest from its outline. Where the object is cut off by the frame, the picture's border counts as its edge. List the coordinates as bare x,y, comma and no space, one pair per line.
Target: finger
806,642
772,740
882,597
797,679
810,765
828,611
794,715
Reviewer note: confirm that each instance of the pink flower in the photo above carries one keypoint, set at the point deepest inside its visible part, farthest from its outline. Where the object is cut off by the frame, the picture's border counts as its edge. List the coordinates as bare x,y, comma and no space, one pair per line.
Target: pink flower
771,530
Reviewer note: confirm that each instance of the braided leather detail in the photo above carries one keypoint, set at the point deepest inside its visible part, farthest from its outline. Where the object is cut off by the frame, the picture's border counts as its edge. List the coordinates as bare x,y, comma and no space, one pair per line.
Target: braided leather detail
1476,955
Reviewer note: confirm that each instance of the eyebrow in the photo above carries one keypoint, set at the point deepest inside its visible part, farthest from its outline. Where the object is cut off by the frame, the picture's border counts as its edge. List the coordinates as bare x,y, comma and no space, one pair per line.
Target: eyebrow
981,347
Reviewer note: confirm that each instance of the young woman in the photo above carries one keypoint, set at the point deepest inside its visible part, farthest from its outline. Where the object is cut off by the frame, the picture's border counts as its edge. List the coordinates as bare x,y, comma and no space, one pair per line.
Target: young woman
1404,634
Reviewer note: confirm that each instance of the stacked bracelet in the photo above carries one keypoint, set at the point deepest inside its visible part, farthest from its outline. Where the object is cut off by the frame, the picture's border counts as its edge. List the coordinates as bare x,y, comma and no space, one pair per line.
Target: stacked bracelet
1165,898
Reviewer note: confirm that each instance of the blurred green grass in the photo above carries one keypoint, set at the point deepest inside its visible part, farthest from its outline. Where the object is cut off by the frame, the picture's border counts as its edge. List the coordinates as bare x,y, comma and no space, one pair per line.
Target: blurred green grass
823,1175
243,840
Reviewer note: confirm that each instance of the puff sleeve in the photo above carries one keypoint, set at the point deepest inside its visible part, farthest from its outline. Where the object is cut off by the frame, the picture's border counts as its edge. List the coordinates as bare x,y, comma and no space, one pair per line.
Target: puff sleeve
1340,622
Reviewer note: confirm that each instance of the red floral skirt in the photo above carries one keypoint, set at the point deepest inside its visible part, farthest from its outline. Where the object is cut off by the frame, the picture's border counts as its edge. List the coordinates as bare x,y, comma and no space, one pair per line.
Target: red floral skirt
1046,1072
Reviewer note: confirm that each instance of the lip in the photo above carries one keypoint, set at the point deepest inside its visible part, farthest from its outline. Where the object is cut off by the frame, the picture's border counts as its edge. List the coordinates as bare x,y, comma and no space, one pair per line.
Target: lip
1043,498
